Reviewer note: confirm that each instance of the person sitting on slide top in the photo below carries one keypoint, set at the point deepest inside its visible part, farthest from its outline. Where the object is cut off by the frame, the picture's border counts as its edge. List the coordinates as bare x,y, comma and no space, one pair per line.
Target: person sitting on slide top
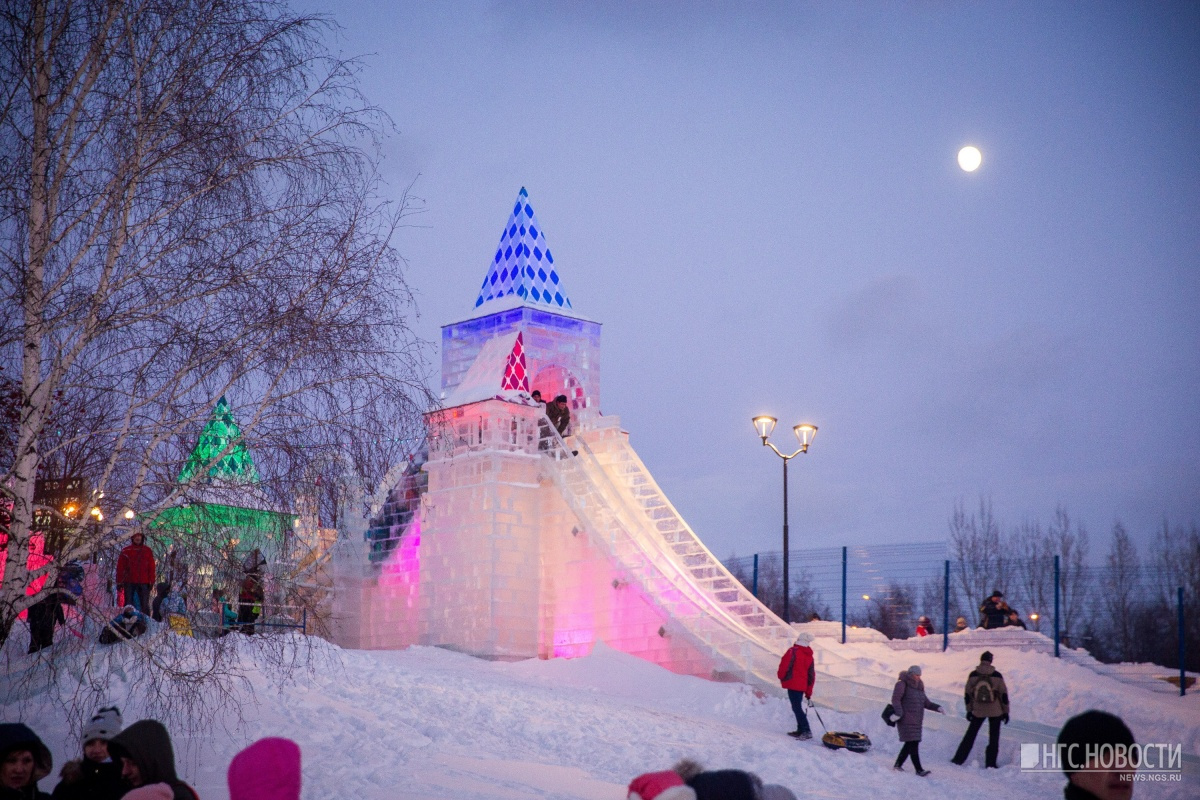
129,624
994,611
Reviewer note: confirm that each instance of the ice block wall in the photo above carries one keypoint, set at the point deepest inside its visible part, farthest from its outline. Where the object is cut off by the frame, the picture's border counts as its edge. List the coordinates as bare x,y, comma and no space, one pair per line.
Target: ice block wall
562,352
508,569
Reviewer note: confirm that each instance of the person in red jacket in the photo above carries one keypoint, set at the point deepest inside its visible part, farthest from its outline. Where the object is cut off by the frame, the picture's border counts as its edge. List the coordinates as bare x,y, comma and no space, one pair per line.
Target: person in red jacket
797,673
135,573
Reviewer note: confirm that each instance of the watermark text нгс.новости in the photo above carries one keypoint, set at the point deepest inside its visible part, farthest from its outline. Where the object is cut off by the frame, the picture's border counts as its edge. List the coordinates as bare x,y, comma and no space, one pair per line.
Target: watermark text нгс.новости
1150,762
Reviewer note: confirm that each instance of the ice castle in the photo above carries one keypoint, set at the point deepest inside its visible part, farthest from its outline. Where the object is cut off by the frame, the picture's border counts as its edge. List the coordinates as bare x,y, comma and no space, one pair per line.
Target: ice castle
517,543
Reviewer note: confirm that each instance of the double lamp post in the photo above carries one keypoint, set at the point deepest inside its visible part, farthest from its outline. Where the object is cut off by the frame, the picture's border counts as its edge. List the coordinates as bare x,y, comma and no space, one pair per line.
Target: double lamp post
764,425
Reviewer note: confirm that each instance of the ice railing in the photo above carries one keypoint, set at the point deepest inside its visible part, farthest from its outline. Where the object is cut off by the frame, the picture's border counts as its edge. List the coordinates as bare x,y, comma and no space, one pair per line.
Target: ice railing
742,636
491,425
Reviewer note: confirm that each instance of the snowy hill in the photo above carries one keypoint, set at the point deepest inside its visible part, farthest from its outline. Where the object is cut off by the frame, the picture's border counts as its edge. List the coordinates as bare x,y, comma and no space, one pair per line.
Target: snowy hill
429,724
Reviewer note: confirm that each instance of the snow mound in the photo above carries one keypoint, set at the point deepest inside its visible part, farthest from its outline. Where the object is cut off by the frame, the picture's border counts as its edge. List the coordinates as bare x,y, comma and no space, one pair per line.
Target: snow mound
426,723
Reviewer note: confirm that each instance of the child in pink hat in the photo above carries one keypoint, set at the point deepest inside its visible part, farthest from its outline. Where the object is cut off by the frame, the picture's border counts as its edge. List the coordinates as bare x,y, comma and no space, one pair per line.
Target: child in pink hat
269,769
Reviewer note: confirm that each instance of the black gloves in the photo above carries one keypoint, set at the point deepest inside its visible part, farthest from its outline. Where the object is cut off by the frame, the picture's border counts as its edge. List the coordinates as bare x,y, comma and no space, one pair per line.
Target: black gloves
1004,719
970,717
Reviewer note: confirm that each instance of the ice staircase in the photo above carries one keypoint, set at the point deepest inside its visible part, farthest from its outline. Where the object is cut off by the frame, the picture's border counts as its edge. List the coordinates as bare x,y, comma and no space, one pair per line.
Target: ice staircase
630,519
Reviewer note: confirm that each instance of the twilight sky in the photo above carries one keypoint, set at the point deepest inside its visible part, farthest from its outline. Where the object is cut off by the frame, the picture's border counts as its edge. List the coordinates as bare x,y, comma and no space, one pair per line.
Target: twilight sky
762,205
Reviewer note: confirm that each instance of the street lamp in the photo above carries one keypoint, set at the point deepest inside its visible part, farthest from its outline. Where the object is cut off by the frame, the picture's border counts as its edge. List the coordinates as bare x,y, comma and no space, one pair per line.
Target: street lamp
764,425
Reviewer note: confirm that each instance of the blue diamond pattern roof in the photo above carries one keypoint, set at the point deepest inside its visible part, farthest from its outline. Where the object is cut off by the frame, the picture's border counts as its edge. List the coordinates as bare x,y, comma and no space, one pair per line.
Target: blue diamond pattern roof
523,267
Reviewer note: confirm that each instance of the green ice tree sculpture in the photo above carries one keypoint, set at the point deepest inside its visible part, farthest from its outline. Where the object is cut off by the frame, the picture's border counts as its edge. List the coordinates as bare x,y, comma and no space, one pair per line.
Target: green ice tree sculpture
221,461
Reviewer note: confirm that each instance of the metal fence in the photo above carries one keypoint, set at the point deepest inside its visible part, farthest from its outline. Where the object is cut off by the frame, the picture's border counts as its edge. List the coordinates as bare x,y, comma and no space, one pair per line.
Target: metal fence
1123,613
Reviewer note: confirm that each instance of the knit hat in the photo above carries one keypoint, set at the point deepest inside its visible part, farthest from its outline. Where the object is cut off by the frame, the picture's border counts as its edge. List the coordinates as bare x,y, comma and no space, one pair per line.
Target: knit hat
997,593
804,637
104,724
1090,728
915,669
269,769
666,785
987,656
153,791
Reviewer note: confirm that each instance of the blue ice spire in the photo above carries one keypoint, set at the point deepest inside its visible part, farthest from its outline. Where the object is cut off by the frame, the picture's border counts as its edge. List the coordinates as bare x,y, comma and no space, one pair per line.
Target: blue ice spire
523,267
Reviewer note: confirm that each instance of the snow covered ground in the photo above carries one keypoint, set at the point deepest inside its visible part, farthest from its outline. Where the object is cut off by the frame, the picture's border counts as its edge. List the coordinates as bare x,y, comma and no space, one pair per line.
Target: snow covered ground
429,723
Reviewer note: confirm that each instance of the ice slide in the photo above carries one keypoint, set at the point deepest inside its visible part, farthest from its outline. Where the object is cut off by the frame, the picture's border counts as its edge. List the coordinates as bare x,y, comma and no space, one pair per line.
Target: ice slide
630,518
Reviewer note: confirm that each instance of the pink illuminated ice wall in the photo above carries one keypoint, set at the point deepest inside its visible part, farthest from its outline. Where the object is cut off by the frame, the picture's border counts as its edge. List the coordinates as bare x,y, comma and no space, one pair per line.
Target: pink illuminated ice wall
505,558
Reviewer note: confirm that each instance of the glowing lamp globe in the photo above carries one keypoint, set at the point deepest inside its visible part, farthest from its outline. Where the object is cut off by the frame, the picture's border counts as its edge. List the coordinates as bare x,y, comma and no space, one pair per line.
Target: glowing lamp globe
804,434
764,425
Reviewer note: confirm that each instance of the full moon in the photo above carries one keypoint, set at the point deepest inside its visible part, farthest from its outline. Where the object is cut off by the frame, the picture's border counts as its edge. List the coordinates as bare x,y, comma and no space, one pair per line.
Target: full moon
969,158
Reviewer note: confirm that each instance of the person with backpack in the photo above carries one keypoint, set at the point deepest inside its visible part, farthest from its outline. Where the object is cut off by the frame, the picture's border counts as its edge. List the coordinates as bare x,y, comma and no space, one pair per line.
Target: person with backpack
148,760
987,699
909,703
48,612
797,673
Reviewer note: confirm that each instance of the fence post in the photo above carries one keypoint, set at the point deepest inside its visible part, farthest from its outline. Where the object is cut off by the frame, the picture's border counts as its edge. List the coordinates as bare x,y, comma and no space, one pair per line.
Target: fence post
755,590
304,621
1182,649
1056,628
946,609
844,594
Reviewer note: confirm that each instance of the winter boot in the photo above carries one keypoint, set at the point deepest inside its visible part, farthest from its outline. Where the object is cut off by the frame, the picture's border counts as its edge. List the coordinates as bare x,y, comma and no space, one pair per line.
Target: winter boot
923,772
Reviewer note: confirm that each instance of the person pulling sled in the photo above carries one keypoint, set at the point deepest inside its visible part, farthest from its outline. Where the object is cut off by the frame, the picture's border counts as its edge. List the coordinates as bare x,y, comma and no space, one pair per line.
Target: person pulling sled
797,673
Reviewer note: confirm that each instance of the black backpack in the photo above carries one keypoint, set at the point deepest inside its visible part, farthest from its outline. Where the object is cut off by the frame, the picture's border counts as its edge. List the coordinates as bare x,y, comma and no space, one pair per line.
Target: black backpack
984,693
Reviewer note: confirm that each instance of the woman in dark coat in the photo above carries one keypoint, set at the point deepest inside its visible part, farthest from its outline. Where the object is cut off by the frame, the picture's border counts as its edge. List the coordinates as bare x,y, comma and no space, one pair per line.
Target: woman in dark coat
909,702
147,757
24,760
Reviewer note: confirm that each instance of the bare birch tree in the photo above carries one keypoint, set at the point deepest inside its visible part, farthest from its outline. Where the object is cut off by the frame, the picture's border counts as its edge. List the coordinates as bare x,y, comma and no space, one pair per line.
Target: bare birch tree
1120,584
976,553
1032,569
1069,541
189,210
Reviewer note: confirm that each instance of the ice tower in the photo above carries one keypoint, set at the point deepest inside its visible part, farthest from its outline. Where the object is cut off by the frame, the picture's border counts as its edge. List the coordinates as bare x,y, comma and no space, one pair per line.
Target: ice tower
523,291
525,544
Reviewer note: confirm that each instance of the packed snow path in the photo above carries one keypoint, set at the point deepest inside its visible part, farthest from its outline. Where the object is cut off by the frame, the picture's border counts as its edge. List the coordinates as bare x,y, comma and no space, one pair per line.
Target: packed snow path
430,724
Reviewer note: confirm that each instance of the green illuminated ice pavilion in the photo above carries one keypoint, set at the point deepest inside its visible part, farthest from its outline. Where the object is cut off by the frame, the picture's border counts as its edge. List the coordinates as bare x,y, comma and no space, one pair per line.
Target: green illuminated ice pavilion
228,504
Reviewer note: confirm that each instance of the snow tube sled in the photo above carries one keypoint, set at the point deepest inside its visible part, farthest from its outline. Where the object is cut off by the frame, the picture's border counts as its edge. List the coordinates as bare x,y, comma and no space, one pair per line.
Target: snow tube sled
854,742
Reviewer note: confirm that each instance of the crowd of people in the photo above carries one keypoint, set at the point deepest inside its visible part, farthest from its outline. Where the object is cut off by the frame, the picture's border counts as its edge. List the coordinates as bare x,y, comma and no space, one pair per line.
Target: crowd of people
1089,780
985,698
136,574
137,763
994,613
